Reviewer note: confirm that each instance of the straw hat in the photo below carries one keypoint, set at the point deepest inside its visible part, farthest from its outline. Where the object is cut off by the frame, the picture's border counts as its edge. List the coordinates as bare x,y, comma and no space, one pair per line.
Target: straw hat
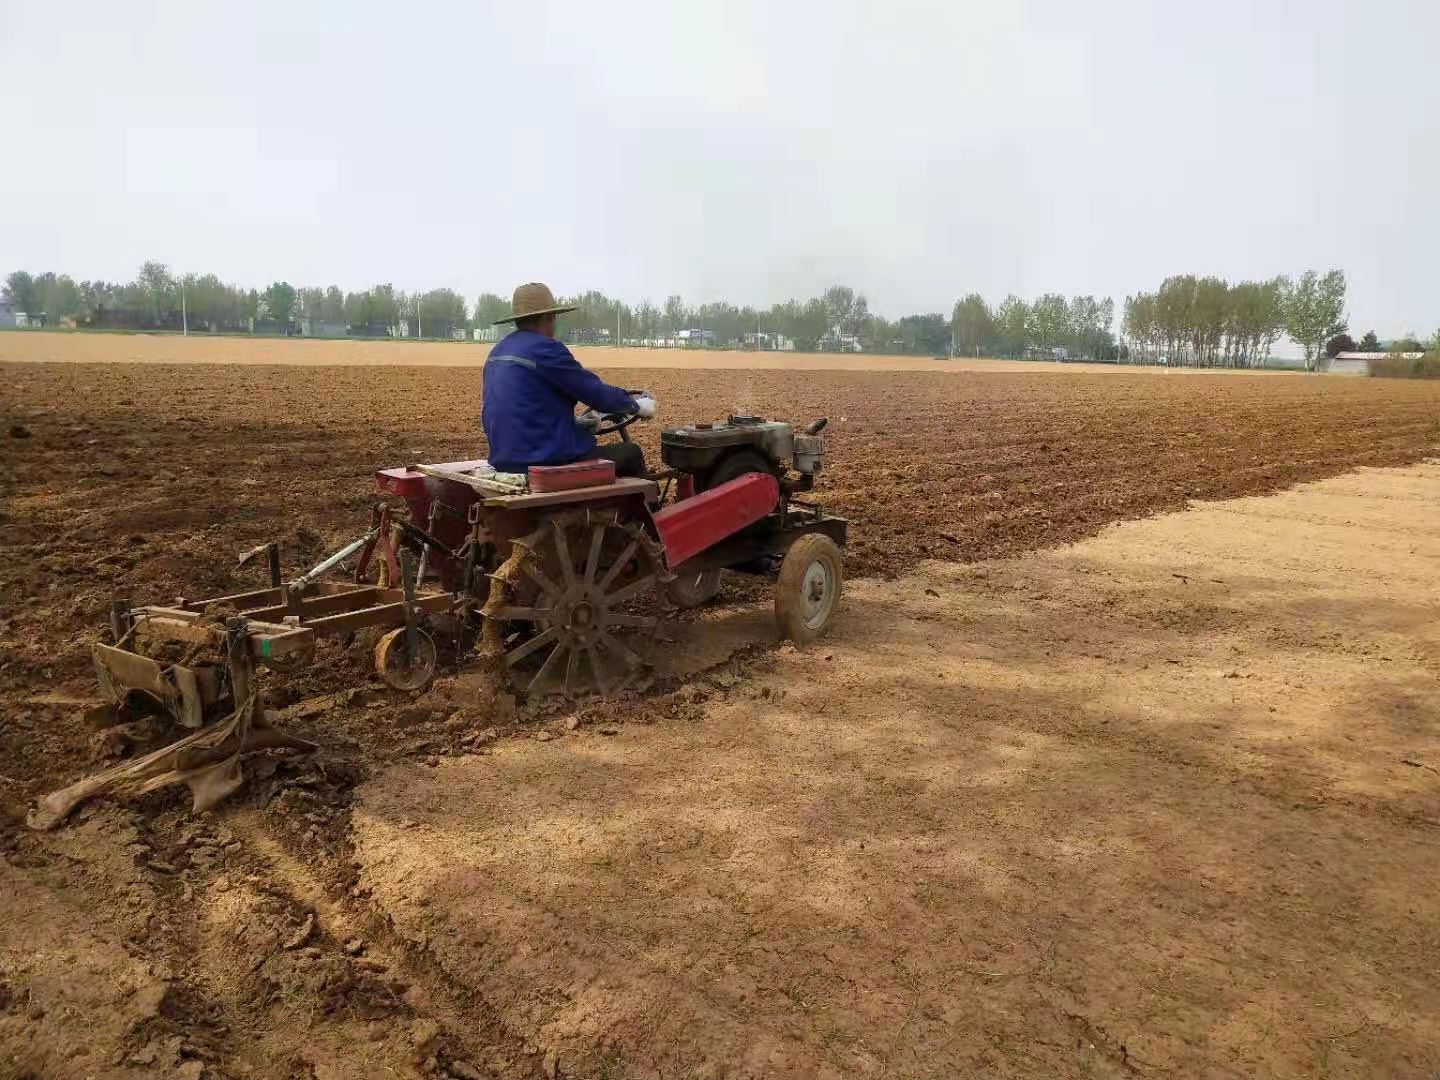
534,298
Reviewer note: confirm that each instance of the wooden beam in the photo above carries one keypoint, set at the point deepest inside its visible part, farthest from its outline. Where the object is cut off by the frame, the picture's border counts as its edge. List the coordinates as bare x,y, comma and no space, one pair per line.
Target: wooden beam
326,604
265,638
239,601
379,615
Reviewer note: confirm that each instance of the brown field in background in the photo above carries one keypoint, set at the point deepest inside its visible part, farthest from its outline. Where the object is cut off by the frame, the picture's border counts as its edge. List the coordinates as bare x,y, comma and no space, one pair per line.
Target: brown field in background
198,349
1162,803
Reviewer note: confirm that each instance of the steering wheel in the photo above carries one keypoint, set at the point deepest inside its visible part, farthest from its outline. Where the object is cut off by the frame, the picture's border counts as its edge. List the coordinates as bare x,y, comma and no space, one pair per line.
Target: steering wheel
611,423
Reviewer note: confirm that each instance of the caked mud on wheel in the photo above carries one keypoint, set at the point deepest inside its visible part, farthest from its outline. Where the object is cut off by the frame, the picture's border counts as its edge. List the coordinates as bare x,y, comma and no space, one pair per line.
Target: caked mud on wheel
405,658
580,605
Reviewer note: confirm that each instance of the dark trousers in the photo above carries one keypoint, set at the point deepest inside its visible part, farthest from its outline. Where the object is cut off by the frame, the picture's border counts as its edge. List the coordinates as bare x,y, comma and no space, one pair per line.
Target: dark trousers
629,459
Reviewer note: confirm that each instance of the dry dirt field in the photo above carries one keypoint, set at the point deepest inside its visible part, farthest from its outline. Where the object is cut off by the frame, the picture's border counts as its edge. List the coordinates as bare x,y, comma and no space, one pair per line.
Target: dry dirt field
169,349
1162,802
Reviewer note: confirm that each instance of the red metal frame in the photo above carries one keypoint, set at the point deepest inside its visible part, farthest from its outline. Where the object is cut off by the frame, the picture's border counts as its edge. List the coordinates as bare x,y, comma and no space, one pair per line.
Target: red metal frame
685,528
688,527
384,541
420,492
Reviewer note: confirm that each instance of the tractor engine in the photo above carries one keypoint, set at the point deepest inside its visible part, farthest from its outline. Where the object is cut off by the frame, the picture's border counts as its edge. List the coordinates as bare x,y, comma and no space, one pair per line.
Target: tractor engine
715,453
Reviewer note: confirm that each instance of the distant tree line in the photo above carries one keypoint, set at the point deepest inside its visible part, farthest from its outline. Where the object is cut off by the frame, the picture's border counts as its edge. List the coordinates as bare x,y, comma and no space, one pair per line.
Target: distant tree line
1208,322
839,320
1079,327
1202,321
159,300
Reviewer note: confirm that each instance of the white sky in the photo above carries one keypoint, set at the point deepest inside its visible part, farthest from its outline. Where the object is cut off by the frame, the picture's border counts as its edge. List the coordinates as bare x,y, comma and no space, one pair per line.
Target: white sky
733,149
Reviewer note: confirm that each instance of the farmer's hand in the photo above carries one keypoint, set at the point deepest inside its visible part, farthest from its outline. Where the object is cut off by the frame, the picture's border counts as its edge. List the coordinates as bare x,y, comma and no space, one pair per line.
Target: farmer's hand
645,406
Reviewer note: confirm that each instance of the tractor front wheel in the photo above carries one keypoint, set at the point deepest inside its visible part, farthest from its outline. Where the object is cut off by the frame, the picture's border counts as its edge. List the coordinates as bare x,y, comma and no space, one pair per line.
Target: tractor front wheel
808,592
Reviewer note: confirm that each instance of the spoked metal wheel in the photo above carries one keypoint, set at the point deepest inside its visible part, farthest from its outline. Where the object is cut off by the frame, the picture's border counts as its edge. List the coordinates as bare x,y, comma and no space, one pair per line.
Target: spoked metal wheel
581,600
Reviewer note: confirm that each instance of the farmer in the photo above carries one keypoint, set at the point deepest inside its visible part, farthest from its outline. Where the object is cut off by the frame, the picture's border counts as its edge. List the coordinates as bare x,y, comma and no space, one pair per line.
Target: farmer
531,385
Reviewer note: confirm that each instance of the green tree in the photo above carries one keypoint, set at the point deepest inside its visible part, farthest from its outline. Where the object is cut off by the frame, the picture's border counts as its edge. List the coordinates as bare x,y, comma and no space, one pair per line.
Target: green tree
881,335
279,301
1090,321
441,312
1338,344
1369,343
1248,316
1140,326
1174,316
1273,296
332,310
489,307
677,316
1314,311
845,311
925,335
157,292
647,321
805,324
384,304
211,303
97,301
1209,313
57,296
1013,321
309,302
973,326
20,290
1050,321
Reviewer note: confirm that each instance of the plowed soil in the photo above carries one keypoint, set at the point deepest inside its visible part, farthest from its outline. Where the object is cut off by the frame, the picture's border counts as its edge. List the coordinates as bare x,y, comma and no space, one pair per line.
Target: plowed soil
249,941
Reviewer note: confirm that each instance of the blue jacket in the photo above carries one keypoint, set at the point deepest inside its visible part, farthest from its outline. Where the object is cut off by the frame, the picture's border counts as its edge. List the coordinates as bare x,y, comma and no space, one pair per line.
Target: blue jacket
531,385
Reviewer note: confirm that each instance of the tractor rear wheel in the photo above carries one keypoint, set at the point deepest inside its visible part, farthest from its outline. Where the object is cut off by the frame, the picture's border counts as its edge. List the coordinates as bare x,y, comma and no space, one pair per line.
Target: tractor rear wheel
808,592
580,601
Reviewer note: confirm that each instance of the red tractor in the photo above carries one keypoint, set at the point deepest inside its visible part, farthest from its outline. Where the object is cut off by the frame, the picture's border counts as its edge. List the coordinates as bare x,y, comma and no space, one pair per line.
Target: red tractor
570,573
566,574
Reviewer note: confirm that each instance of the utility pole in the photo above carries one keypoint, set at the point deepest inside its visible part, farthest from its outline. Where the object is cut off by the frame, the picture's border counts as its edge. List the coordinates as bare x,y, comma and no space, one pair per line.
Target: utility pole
184,316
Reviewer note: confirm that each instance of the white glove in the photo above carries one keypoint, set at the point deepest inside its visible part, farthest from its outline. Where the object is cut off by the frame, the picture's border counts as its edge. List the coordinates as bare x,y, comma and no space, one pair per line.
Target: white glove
645,406
589,420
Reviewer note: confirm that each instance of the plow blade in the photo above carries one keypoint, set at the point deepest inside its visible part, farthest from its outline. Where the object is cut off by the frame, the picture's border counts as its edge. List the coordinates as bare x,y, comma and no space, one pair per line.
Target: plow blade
181,691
